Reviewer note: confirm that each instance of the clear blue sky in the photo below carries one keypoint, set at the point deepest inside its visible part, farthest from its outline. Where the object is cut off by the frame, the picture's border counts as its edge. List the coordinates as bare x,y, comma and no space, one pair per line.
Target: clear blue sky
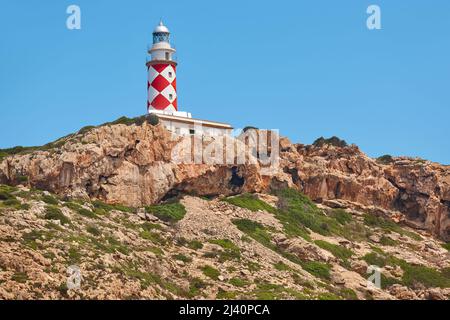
308,68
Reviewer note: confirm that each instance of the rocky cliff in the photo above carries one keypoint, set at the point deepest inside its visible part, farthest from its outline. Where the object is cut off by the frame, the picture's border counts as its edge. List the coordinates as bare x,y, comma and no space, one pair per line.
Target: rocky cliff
133,164
116,202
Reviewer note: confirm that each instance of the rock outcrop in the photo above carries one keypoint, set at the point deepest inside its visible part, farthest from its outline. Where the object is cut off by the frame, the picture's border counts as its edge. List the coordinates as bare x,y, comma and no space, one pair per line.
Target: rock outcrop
136,165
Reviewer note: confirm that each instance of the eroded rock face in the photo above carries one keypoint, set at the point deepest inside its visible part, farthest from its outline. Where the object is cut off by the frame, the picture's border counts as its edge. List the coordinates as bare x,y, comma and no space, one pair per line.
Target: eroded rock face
132,165
418,189
137,165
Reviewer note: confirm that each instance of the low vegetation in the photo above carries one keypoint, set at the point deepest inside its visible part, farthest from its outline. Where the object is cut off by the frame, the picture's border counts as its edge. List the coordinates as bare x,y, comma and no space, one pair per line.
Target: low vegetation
210,272
333,141
389,226
386,159
169,212
250,202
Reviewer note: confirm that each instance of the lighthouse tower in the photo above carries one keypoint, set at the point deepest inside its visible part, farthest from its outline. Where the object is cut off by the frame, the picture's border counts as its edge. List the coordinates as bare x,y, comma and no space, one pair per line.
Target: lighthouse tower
162,77
162,91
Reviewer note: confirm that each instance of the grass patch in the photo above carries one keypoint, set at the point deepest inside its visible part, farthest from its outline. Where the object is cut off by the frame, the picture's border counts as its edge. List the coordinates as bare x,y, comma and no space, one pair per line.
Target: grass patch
238,282
195,287
74,256
93,230
48,199
412,274
388,225
29,239
338,251
280,266
226,295
446,246
250,202
182,257
104,207
153,237
255,230
20,277
231,251
54,213
298,212
341,216
386,241
170,212
317,269
210,272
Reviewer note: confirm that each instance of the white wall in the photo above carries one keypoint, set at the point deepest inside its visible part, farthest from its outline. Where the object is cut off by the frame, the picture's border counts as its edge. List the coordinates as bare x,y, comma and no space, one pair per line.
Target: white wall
184,129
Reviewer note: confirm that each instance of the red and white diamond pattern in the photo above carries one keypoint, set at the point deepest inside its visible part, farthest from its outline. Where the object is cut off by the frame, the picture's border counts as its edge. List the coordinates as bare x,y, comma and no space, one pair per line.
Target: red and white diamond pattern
162,87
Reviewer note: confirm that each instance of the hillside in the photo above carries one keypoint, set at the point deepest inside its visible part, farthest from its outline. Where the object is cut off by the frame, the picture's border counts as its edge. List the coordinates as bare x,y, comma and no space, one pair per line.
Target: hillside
139,225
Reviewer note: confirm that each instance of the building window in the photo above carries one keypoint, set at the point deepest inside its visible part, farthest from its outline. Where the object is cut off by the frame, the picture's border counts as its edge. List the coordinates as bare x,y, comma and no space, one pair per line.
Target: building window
170,96
167,56
191,131
177,130
170,74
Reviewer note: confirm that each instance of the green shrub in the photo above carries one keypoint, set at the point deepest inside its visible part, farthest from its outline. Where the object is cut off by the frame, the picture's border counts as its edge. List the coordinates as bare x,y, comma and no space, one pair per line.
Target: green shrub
327,296
338,251
225,244
195,245
317,269
87,213
170,212
86,129
195,286
250,202
53,213
238,282
255,230
386,241
297,211
341,216
388,225
22,179
231,251
226,295
93,230
428,277
50,200
386,159
348,294
182,257
375,259
74,257
153,237
211,272
99,205
334,141
20,277
247,128
5,195
446,246
281,266
153,119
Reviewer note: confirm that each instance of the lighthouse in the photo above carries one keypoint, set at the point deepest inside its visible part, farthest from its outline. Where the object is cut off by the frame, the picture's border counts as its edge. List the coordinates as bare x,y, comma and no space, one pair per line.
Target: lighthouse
162,74
162,90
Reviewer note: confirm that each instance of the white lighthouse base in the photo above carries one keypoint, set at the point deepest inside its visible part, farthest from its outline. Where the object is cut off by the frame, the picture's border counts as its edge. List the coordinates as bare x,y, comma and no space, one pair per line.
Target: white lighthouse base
182,114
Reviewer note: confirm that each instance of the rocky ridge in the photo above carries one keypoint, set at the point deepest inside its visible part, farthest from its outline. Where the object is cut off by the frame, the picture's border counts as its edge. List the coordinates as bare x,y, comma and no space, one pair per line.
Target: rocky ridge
133,164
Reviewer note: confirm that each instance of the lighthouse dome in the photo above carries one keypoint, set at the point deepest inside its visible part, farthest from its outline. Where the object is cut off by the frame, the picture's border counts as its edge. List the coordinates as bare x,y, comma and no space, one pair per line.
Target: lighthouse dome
161,28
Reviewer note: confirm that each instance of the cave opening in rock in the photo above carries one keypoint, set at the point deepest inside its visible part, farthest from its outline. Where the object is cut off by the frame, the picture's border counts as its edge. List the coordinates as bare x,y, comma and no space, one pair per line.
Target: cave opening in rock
236,180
